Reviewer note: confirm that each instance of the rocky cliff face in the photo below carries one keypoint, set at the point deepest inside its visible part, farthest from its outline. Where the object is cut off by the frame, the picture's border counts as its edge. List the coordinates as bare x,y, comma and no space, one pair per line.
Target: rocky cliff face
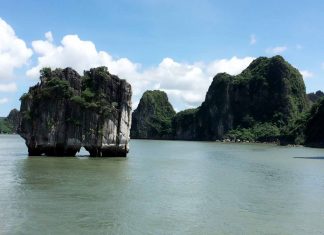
270,90
66,111
152,118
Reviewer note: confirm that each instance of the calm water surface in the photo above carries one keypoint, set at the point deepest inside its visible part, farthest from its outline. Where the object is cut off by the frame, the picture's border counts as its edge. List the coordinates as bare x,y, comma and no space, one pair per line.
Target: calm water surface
164,187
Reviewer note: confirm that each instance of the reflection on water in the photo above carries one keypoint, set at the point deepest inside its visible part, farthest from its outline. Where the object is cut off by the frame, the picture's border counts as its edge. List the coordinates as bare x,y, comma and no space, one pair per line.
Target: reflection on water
164,187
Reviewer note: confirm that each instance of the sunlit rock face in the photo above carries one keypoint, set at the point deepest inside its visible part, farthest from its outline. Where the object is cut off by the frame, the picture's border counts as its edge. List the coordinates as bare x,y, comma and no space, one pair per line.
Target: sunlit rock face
66,111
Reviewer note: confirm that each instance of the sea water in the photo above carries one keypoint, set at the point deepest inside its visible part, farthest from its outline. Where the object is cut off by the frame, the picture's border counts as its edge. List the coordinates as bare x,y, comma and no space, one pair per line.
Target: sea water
164,187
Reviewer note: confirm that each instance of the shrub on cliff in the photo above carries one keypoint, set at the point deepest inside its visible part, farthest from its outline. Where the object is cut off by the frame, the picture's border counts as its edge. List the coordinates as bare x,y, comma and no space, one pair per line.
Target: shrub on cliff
264,132
5,126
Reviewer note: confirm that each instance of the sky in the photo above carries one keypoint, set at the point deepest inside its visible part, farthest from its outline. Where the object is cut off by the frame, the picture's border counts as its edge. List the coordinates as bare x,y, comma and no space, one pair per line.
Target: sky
174,46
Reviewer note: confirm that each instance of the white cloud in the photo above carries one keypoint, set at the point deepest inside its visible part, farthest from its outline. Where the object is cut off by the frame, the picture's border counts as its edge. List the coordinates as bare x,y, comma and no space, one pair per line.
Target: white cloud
3,100
276,50
75,53
253,39
306,74
231,66
10,87
299,47
13,51
185,83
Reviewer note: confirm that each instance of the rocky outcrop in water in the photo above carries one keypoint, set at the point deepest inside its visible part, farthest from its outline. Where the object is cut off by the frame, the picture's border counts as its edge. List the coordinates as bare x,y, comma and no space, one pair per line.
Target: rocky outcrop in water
265,97
66,111
152,118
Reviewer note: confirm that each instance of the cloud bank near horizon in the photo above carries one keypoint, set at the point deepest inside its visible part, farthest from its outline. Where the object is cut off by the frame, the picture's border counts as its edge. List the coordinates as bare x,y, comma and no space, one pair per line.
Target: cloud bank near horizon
185,83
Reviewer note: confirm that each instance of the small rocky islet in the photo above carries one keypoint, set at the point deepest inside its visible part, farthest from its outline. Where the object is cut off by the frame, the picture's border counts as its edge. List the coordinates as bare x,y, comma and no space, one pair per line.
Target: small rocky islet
267,102
66,111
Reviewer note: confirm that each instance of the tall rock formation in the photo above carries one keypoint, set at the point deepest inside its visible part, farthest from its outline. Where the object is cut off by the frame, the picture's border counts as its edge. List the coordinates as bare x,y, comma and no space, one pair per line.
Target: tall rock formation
66,111
152,118
269,90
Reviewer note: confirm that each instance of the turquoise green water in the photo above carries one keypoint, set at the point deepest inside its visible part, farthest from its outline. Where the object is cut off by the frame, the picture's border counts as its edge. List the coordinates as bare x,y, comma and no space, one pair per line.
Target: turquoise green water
164,187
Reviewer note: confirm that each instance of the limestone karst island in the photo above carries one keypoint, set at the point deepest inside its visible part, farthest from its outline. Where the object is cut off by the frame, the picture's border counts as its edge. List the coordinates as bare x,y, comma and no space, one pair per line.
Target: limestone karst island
66,112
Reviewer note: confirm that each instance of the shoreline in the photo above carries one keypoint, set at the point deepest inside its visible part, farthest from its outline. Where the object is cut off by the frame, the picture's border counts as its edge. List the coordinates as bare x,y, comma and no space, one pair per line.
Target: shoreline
232,142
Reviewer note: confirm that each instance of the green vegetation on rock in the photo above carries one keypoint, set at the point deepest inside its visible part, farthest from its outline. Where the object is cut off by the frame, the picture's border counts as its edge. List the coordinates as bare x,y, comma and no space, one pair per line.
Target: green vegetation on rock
152,118
94,96
5,126
183,124
10,124
263,132
315,96
314,127
308,129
